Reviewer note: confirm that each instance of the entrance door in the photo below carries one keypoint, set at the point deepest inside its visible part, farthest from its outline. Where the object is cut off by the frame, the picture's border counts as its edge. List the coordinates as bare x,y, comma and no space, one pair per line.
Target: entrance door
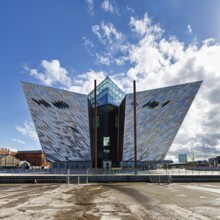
107,164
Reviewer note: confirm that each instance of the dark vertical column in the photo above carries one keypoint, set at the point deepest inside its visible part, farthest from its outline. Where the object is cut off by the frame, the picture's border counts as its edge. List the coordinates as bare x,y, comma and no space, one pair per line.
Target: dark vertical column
95,127
135,131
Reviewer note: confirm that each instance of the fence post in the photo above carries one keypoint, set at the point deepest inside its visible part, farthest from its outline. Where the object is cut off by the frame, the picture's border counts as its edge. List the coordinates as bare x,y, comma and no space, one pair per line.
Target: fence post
68,176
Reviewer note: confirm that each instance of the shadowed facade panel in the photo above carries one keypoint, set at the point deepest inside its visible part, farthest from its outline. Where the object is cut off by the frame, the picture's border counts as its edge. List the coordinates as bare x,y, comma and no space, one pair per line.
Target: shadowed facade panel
160,113
61,121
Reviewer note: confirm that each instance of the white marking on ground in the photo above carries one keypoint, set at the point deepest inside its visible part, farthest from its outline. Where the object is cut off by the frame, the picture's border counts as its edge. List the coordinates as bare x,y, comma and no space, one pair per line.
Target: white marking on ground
215,202
203,189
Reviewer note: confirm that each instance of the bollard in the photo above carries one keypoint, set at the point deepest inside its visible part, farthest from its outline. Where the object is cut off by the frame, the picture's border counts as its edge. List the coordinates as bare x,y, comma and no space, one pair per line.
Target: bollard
159,180
68,176
78,180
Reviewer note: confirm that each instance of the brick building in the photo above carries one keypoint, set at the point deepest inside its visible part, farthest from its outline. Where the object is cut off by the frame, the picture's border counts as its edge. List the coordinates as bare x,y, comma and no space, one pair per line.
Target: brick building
35,158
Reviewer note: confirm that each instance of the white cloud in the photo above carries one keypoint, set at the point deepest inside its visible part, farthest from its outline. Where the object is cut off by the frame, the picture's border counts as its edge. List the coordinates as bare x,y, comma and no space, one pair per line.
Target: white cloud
84,83
108,7
189,29
145,27
121,60
28,130
155,61
114,45
107,33
90,7
103,59
18,141
130,9
87,42
50,73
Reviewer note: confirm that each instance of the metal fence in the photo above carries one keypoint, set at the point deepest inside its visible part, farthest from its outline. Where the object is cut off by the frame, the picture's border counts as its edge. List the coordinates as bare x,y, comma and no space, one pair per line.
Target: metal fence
114,171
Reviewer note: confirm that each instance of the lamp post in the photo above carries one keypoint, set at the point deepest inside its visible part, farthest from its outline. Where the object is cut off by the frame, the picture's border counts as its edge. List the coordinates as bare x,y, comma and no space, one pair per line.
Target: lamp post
95,127
135,130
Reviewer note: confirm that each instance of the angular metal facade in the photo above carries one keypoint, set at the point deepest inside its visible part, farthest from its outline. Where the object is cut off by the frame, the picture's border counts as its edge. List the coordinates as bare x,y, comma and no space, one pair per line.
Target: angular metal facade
64,121
61,121
160,113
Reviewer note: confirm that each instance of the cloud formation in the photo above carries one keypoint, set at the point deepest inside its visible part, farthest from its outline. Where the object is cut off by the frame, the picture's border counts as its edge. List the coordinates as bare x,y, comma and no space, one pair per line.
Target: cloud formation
84,83
50,73
107,33
154,61
18,141
28,129
108,7
90,7
189,28
113,44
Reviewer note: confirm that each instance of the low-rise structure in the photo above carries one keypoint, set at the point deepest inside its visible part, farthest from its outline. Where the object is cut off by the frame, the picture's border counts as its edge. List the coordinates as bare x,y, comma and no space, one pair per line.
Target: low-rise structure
214,162
36,158
9,161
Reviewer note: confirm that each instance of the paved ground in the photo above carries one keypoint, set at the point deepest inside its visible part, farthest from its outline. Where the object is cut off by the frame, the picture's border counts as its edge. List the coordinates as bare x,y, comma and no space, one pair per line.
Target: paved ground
110,201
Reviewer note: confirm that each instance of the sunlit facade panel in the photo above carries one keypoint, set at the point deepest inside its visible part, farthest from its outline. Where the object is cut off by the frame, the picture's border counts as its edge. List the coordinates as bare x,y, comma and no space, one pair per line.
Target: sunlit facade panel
61,121
160,113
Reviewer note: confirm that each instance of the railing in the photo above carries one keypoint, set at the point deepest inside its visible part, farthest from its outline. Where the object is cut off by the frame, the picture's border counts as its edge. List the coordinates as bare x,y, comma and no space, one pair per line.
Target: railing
115,171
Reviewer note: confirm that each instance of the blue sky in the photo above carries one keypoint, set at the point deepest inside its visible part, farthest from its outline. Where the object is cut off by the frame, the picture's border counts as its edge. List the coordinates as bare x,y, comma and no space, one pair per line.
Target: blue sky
67,44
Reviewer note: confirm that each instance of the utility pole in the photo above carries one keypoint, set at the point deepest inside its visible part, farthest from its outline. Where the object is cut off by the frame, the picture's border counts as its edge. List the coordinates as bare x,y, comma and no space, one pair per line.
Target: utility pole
95,127
135,131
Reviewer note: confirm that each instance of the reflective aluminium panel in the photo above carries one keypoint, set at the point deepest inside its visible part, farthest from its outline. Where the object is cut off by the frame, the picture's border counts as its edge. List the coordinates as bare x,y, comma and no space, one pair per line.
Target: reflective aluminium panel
61,121
160,113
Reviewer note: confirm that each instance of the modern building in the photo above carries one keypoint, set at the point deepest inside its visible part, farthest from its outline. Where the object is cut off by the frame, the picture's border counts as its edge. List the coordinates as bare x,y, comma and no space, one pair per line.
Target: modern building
64,122
182,158
215,161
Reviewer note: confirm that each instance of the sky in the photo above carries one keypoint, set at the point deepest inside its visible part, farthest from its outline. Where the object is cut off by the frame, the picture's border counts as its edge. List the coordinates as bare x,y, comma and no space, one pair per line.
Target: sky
67,44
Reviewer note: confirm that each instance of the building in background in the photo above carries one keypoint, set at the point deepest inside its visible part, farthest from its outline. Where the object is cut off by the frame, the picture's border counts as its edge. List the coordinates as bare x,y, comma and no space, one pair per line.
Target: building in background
36,158
64,122
6,151
182,158
214,162
9,161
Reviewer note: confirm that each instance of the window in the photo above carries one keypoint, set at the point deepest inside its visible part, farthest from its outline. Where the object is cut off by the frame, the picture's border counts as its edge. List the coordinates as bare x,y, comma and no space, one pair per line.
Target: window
106,141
